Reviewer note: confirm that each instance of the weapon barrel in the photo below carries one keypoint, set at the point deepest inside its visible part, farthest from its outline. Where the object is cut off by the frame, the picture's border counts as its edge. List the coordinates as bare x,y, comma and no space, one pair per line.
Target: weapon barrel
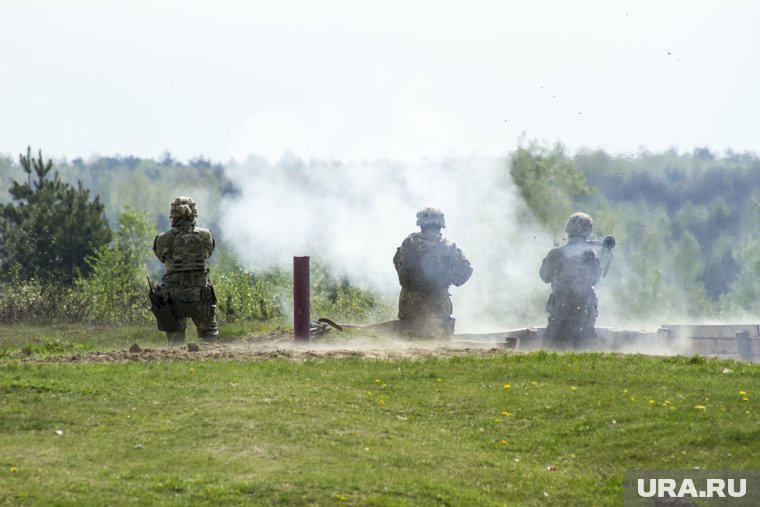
607,242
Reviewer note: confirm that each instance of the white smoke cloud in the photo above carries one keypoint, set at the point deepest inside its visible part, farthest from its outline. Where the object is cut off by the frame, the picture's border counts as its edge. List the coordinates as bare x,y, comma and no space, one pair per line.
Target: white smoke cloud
354,214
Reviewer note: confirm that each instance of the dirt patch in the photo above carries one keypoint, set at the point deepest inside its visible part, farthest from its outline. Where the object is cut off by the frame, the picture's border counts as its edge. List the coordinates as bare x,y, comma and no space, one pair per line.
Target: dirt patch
283,346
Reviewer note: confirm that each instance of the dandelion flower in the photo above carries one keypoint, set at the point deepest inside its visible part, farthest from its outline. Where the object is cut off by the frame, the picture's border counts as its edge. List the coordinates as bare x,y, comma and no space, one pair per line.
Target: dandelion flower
14,470
378,381
651,402
573,388
369,393
381,401
507,386
742,393
699,407
625,391
508,414
745,399
439,380
533,382
503,442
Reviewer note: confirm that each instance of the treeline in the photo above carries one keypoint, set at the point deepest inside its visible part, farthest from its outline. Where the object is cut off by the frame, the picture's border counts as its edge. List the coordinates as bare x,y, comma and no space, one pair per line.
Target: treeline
685,224
140,183
76,244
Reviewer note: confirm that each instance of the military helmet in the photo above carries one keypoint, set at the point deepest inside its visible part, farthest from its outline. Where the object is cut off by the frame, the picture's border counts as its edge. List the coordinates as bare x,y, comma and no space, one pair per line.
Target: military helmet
183,207
579,224
431,216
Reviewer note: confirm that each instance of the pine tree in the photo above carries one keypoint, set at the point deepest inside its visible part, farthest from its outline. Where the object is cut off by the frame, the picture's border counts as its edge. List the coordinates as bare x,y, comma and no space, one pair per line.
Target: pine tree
50,228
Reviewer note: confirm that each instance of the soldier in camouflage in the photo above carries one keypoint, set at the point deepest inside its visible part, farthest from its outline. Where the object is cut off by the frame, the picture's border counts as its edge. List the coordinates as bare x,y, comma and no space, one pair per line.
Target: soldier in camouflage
185,250
572,270
427,264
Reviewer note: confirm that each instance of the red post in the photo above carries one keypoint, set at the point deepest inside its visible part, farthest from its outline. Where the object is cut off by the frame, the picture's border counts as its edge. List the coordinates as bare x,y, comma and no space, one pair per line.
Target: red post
301,298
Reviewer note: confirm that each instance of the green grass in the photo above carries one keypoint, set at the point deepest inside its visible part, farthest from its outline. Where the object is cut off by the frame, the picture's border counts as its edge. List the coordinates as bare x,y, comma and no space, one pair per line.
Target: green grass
50,340
437,431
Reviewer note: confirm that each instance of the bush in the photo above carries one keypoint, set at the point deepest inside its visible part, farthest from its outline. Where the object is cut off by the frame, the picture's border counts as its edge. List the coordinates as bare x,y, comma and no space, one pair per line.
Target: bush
32,301
242,296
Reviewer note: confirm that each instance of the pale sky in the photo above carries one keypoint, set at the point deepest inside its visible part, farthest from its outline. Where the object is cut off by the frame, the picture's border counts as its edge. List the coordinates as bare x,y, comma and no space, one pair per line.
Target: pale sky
365,79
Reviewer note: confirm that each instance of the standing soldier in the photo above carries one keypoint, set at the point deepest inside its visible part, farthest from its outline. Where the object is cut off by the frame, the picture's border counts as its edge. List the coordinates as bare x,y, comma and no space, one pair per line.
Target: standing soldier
572,269
185,250
427,264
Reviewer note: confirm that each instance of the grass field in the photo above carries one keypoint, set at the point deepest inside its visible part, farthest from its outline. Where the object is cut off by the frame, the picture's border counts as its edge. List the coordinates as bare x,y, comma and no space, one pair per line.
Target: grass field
501,429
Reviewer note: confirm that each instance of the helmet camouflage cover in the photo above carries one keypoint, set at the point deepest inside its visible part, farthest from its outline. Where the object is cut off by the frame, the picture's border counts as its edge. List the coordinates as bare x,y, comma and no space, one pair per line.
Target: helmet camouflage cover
430,216
183,207
579,224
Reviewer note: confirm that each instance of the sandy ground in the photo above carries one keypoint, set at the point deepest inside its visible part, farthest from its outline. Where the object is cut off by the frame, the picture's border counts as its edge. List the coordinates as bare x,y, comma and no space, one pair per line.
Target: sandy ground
279,345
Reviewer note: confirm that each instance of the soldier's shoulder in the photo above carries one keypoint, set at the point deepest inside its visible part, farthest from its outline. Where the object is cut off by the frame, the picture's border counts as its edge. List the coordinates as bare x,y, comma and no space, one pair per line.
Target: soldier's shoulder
165,235
578,248
556,252
411,238
205,234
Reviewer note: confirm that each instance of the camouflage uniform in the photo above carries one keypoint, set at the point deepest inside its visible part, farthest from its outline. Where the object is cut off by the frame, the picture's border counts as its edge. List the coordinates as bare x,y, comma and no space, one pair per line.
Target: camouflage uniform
427,264
572,269
185,251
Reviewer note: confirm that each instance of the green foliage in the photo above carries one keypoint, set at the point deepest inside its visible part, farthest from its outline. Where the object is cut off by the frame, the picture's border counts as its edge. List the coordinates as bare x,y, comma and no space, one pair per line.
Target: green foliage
682,223
690,270
243,296
432,431
335,298
33,301
51,228
743,293
7,171
116,291
124,181
354,305
549,182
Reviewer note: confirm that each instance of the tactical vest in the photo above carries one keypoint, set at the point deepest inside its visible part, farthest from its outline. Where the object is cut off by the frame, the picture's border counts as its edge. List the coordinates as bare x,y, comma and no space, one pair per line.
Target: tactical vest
576,271
423,265
189,252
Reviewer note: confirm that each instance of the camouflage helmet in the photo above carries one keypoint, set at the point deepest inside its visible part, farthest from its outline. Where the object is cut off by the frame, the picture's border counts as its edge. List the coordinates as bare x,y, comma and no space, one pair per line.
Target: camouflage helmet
579,224
430,216
183,207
